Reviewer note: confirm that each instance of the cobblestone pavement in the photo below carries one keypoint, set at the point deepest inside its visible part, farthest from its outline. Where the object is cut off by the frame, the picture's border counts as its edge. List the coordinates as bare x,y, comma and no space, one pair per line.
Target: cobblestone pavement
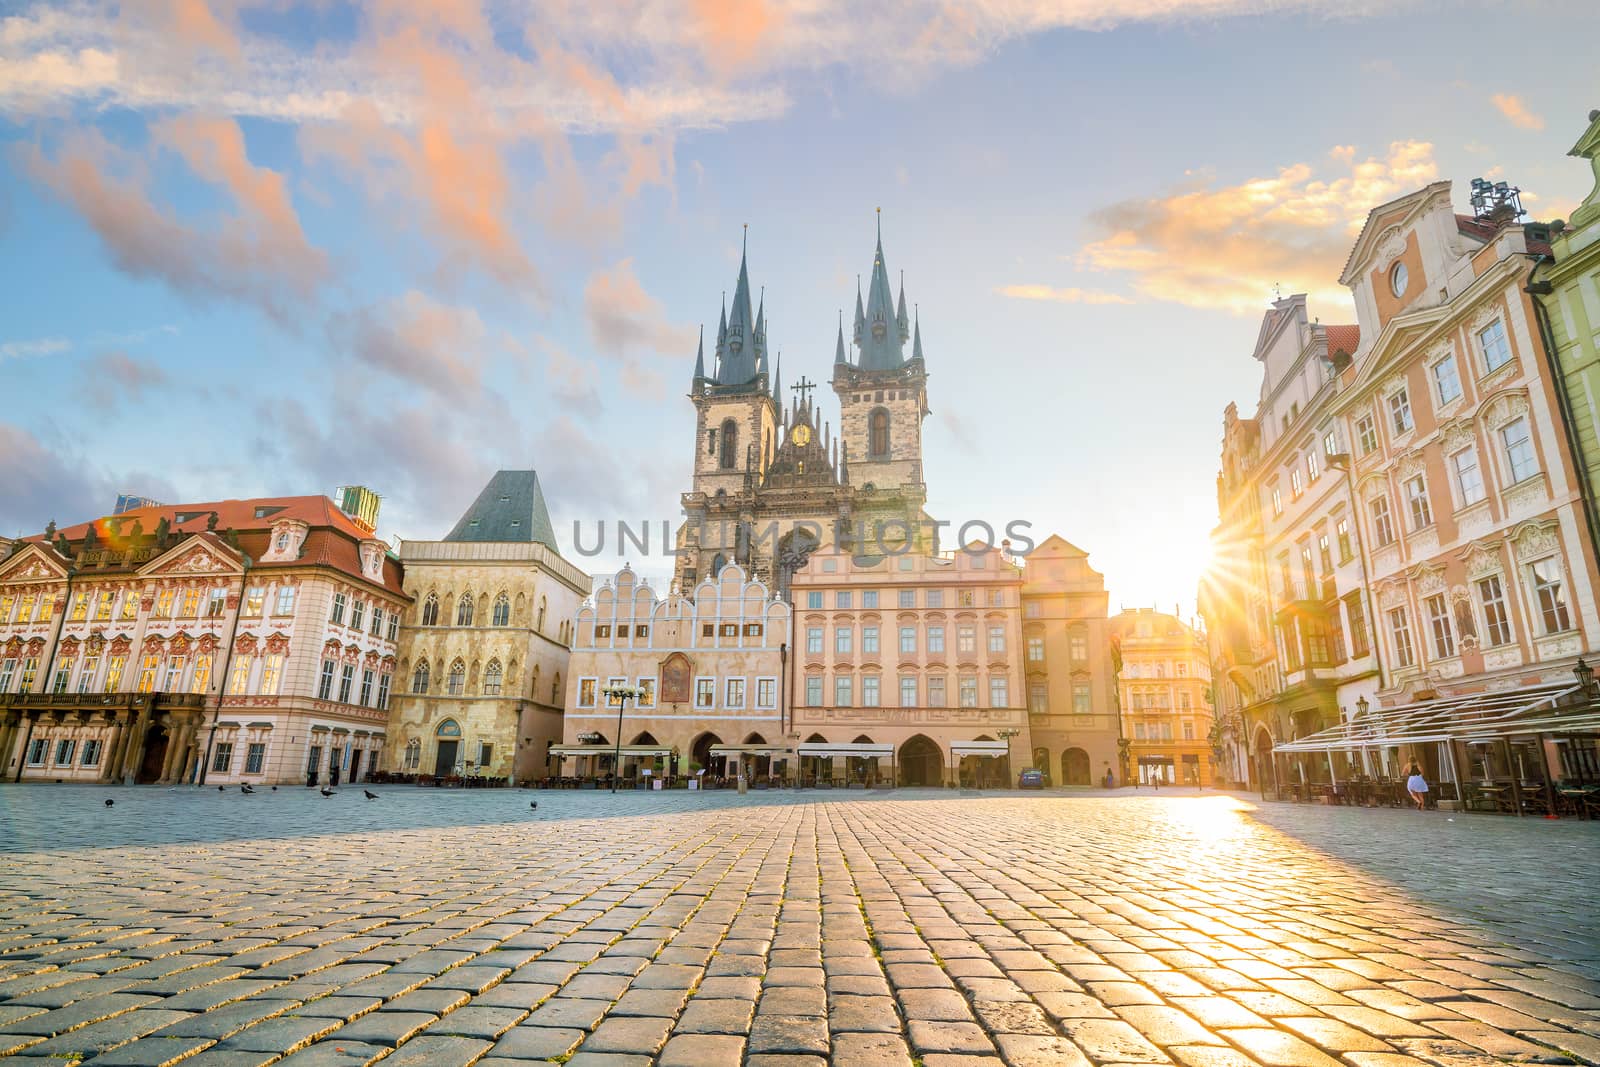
432,928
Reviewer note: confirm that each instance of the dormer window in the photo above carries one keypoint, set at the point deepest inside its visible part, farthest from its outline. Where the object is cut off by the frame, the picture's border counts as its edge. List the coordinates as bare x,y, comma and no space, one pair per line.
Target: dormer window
1398,278
282,543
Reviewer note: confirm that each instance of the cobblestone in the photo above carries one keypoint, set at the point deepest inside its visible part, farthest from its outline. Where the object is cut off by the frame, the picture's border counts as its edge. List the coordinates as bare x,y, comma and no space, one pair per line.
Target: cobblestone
787,930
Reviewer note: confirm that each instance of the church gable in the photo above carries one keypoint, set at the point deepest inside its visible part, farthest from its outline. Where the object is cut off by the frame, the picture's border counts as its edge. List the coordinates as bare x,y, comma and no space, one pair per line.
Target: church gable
200,554
33,563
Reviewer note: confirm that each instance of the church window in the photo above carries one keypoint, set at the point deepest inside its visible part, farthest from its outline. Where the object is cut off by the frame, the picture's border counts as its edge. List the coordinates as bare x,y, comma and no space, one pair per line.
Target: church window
491,679
878,441
502,611
730,443
456,682
464,610
419,680
430,611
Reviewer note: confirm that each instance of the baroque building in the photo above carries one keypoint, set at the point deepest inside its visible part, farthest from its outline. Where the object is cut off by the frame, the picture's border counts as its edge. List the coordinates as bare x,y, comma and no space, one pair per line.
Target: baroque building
772,482
221,642
484,649
1166,707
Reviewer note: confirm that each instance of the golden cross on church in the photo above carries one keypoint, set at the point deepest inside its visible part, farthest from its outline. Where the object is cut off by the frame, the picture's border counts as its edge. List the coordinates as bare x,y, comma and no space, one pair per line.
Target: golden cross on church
804,387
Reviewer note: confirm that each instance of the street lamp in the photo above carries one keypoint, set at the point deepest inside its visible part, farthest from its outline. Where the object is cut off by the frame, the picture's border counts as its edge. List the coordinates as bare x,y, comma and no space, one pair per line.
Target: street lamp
1585,675
620,694
1007,735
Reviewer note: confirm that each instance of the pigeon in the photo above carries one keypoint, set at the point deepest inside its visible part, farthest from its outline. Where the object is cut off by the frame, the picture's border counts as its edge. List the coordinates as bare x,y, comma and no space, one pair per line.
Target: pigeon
370,795
109,802
274,789
326,792
533,804
219,788
245,789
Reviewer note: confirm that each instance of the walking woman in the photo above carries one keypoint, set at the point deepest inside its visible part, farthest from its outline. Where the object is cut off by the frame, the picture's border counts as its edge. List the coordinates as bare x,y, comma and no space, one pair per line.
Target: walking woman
1417,785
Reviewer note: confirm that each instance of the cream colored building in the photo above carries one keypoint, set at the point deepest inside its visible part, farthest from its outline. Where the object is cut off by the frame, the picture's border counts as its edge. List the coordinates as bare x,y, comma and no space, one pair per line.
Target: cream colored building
918,654
1166,709
711,673
1069,666
484,649
226,642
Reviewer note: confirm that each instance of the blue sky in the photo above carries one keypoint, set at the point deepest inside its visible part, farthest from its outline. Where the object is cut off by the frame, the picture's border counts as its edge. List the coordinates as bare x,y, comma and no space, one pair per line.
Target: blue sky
275,248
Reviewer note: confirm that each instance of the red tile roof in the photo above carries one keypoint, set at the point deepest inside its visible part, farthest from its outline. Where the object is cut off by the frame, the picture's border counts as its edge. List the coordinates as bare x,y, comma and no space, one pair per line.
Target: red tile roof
1342,339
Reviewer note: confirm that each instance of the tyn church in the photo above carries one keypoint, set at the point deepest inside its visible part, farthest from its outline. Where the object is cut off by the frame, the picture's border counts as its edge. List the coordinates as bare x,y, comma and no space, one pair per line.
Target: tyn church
775,483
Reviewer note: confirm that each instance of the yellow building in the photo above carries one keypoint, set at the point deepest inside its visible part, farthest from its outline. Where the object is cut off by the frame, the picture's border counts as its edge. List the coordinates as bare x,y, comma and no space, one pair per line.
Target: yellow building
1166,706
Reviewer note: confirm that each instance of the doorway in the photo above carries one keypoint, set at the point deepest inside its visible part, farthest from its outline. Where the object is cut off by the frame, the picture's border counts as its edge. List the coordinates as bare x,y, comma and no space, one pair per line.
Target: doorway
1075,767
921,762
155,755
444,763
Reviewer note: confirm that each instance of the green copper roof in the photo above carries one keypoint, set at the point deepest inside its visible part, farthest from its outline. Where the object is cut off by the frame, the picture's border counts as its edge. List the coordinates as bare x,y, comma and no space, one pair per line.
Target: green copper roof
881,332
510,508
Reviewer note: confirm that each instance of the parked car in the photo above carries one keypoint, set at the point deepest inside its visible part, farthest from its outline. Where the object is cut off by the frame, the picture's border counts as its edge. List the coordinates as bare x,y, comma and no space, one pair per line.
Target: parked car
1033,778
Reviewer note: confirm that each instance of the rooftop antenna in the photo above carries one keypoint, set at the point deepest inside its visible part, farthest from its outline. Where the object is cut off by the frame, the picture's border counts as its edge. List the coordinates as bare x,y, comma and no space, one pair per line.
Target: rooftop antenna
1277,290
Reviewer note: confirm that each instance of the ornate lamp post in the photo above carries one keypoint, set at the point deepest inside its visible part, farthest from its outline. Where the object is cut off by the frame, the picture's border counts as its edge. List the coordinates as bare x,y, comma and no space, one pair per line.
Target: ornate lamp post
620,695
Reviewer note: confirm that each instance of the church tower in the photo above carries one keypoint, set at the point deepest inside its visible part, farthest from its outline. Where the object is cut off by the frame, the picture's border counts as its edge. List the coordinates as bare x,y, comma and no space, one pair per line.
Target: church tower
883,395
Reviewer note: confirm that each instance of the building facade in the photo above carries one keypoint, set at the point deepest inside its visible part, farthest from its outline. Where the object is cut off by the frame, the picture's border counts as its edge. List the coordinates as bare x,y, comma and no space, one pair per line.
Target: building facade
231,641
1165,685
710,671
772,482
484,649
1069,666
919,652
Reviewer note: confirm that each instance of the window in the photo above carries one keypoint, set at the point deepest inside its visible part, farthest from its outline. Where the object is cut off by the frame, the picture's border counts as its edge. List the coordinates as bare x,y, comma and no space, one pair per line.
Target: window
419,680
908,640
492,676
325,680
1078,647
814,600
394,626
1295,486
814,640
966,639
936,697
1082,702
1188,731
1324,553
1312,469
1496,351
485,753
454,684
813,691
730,444
38,748
64,750
102,607
173,674
1398,278
1469,480
705,692
80,608
91,667
908,598
869,598
1358,624
936,639
869,691
1446,383
430,611
539,623
735,693
191,604
1305,568
1400,630
314,759
383,690
63,675
1277,501
216,601
997,639
1330,443
842,599
999,692
1551,597
222,758
869,639
1382,527
1366,434
969,691
842,691
1341,530
1496,623
964,597
147,674
878,439
1519,450
766,692
377,621
1417,503
1038,698
604,630
1444,638
935,598
1035,650
587,687
337,615
464,610
1400,412
843,640
502,611
358,614
164,603
254,756
908,691
113,674
91,753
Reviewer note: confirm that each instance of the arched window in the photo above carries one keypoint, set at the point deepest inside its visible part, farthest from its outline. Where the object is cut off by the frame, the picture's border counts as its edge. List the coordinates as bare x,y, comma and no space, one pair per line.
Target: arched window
555,689
419,681
502,610
456,683
491,679
464,610
878,439
730,443
413,754
540,624
430,611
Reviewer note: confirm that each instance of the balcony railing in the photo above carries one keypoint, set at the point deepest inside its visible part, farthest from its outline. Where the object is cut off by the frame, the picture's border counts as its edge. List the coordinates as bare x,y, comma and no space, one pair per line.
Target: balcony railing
101,700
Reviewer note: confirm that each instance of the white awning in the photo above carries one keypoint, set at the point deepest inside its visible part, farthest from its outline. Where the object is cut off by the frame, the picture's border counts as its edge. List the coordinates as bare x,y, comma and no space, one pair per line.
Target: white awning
752,750
1474,719
607,750
979,748
823,748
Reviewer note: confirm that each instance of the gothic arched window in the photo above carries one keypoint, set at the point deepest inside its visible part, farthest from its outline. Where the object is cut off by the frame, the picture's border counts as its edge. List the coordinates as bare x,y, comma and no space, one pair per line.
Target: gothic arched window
502,611
730,443
491,679
464,610
555,689
419,681
540,624
457,681
430,611
878,439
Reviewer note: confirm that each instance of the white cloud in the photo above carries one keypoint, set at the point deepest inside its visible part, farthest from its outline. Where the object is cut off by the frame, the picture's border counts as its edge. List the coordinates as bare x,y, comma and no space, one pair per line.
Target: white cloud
42,346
